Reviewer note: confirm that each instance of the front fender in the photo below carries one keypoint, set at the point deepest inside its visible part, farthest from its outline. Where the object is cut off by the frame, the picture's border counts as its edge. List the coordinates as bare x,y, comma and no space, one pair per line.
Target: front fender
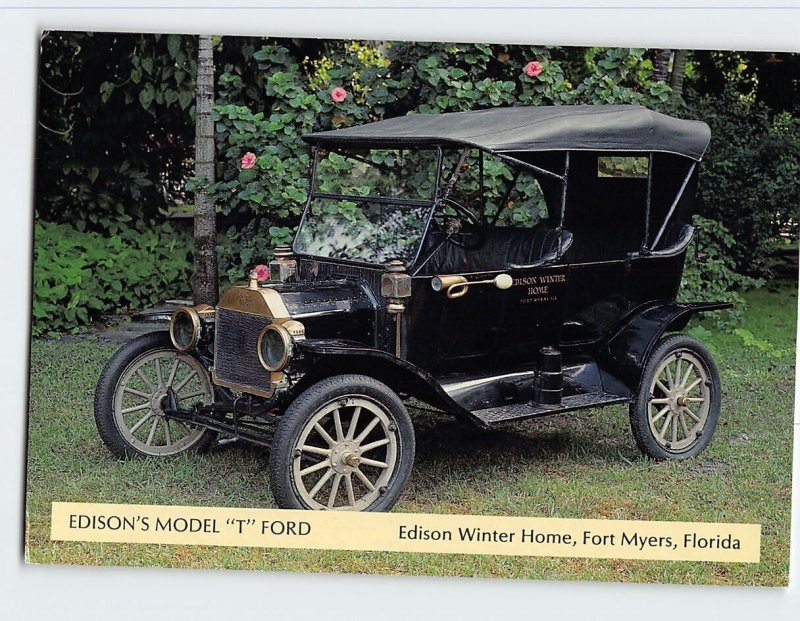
323,358
625,353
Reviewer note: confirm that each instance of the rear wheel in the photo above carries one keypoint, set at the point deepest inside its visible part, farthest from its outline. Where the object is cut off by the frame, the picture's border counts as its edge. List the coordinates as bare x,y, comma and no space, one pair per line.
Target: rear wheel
346,443
677,408
136,384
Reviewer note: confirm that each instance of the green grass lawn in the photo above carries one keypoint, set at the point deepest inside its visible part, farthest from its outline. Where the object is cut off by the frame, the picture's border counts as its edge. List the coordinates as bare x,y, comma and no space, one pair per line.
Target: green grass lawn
582,465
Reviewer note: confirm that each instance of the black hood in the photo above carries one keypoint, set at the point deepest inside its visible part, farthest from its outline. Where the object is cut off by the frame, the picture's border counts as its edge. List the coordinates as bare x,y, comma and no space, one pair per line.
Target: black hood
332,309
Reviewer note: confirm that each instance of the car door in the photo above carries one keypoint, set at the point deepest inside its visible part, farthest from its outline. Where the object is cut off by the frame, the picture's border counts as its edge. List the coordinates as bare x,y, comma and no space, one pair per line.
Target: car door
448,334
596,300
534,309
488,325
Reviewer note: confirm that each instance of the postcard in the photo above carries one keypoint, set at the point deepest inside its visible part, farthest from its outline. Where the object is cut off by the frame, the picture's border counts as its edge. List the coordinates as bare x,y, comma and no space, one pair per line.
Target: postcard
400,307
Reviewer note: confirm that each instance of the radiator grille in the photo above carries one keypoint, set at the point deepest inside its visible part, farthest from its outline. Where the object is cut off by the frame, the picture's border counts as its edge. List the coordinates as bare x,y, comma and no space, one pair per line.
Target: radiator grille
236,350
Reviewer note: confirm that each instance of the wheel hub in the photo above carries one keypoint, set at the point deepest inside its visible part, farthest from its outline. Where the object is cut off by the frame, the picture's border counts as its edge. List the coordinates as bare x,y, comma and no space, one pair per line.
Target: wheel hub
159,400
677,400
352,460
345,457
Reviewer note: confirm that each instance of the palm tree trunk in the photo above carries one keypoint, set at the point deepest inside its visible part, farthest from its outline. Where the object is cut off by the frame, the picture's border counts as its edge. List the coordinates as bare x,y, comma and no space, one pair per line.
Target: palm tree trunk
661,65
678,72
205,279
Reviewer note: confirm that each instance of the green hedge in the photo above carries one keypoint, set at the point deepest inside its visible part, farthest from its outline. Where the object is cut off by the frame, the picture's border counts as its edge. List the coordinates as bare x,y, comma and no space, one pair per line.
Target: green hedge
710,276
354,83
77,275
748,180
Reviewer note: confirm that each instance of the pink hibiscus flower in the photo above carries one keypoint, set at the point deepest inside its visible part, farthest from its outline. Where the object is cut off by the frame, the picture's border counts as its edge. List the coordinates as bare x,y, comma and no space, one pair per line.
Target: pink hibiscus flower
533,68
248,160
262,271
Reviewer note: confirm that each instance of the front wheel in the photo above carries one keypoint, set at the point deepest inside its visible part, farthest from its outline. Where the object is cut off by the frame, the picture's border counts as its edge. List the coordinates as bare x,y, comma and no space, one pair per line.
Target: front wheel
676,410
346,443
137,383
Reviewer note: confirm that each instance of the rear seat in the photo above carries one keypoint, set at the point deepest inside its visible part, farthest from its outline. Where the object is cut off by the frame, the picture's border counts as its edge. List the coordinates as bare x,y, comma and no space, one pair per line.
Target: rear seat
611,242
603,241
674,240
503,248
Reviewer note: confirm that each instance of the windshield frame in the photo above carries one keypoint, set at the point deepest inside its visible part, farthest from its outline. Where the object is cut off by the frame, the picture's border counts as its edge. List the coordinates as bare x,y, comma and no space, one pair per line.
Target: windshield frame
430,203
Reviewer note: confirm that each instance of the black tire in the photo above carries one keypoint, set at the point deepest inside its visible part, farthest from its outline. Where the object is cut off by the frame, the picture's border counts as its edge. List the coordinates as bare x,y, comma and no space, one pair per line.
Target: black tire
111,394
335,398
684,432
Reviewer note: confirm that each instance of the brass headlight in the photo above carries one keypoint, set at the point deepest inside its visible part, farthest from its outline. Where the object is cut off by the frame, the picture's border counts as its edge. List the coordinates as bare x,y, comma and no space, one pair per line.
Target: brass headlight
184,328
274,347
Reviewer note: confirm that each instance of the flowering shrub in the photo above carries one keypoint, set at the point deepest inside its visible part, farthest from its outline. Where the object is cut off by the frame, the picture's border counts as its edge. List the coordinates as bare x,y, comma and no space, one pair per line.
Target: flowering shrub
356,83
270,95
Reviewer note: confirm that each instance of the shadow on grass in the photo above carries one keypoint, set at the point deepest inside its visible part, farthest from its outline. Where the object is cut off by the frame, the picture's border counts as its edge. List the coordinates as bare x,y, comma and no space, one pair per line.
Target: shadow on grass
583,437
442,437
451,452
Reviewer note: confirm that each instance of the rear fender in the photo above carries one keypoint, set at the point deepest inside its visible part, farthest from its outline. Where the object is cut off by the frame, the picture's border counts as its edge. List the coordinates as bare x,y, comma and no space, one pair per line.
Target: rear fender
625,353
325,358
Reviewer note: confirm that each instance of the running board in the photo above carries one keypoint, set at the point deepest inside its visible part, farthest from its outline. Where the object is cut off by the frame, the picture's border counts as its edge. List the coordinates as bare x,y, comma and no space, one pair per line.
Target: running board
519,411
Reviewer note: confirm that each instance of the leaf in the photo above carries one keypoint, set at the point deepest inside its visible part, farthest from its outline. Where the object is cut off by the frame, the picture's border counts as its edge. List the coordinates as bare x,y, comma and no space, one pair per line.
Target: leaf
146,96
106,89
185,99
173,45
170,97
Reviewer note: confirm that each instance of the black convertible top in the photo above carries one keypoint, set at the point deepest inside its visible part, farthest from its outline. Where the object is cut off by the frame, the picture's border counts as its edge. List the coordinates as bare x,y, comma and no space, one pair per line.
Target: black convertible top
544,128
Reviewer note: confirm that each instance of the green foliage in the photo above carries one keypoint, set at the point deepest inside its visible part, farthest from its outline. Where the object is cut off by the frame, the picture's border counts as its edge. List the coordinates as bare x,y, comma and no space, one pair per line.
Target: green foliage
240,248
116,127
116,123
762,345
709,274
79,275
748,181
622,76
617,166
380,82
769,78
114,146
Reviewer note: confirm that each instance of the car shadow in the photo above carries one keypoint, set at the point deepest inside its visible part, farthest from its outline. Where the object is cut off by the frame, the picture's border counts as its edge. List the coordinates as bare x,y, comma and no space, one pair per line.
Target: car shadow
451,452
534,441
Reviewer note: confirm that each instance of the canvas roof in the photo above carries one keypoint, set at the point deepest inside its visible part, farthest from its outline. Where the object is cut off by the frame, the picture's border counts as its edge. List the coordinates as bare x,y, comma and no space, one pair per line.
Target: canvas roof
543,128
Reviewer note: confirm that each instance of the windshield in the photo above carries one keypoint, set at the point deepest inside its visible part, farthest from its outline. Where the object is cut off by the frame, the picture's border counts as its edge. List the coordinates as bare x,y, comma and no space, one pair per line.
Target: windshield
369,206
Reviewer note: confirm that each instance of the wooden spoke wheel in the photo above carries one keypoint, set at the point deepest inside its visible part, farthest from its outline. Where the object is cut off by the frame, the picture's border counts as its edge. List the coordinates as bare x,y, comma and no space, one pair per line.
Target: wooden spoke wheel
676,411
135,389
345,444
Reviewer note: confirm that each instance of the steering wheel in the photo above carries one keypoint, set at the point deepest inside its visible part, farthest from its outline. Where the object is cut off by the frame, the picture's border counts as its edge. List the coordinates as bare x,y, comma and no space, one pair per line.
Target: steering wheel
455,230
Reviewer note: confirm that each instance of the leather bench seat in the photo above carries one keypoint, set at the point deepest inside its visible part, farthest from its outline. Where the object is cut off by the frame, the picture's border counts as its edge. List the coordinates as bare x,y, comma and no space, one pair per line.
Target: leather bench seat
502,248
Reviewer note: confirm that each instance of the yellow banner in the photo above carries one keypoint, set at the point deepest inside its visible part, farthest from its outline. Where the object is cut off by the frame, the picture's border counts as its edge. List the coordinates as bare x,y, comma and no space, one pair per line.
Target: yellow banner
407,532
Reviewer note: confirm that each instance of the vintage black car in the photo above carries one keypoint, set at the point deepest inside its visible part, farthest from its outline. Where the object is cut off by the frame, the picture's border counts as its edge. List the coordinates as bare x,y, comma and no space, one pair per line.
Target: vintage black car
497,265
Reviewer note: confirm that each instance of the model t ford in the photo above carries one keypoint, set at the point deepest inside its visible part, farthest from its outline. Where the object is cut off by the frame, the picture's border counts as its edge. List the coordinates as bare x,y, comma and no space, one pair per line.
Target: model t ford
498,265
